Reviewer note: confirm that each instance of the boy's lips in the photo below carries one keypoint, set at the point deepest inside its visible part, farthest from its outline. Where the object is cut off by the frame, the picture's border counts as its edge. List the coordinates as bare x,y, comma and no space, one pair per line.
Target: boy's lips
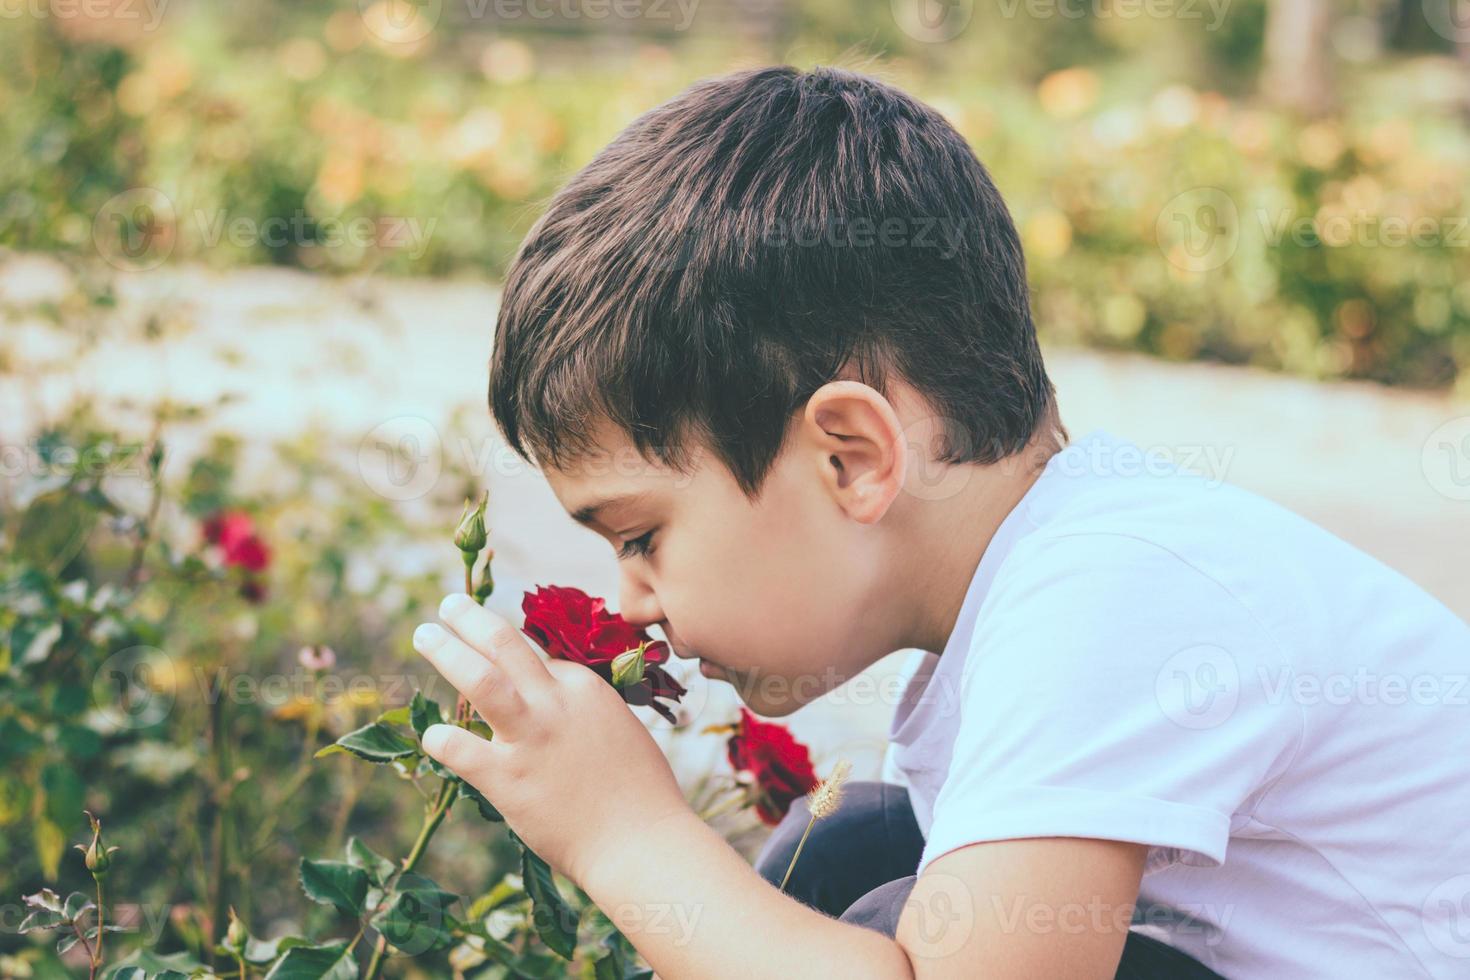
708,668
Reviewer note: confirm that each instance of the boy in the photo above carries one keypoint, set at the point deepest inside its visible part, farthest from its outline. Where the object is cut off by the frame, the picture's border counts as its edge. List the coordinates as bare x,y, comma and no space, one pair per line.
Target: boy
774,344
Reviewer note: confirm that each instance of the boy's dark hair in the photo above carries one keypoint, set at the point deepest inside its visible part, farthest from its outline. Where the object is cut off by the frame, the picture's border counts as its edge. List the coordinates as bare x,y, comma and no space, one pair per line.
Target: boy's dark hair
737,247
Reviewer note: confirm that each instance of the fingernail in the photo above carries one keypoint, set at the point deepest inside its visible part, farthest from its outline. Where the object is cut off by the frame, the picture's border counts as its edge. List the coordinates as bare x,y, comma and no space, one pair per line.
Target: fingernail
454,605
434,738
429,637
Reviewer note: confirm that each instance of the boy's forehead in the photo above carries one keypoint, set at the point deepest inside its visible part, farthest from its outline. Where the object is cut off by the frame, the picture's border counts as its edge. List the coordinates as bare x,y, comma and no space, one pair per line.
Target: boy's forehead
613,472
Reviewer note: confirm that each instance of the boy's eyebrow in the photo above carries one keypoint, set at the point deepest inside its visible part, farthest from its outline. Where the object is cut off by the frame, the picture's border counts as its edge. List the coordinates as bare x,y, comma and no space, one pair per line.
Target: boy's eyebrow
587,515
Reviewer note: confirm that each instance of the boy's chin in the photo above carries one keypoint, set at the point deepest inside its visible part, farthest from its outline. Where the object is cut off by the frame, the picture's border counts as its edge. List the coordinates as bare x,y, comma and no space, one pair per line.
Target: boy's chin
768,700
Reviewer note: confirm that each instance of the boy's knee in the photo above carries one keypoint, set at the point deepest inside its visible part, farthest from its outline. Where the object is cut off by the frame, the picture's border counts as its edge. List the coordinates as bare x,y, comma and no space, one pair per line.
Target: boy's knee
880,908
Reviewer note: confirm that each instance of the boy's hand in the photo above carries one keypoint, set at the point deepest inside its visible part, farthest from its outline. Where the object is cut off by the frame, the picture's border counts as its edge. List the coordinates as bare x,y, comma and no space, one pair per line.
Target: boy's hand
571,768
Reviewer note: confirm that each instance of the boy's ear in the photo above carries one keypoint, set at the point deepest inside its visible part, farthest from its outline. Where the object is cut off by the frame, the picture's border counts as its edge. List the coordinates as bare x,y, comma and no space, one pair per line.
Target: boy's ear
858,444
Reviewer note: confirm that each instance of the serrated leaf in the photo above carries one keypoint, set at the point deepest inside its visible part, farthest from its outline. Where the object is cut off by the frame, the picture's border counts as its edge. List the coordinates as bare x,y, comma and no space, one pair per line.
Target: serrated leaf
41,919
375,742
395,716
328,962
486,808
335,883
424,712
554,920
44,899
76,904
379,869
417,919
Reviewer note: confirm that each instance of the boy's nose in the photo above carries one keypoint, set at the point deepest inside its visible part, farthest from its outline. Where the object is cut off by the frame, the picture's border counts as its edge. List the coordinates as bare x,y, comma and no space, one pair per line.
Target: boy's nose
638,605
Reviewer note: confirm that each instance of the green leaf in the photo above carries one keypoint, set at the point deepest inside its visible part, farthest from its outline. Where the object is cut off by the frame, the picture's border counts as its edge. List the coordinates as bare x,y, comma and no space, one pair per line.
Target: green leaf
143,964
374,742
395,716
76,904
554,920
418,920
54,529
66,942
328,962
64,793
508,889
379,869
50,842
41,919
35,643
79,741
424,712
335,883
263,951
487,809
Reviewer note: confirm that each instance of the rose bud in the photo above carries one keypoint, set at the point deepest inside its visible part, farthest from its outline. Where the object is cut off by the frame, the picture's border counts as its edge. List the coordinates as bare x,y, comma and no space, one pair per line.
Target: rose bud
627,668
236,935
99,857
470,536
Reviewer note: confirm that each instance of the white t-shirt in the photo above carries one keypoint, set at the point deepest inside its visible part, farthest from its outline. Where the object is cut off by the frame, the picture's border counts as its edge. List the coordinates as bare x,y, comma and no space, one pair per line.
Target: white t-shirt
1150,656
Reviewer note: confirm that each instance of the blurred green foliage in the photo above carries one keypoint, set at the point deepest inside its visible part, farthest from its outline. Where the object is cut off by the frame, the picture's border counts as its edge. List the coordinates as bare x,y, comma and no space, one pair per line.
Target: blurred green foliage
1165,206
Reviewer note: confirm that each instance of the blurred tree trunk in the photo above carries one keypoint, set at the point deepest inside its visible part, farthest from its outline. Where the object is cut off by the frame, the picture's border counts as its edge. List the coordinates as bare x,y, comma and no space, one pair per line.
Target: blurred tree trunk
1297,73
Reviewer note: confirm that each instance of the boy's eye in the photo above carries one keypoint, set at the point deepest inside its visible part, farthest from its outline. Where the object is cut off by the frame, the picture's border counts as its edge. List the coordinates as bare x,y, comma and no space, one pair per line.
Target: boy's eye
636,546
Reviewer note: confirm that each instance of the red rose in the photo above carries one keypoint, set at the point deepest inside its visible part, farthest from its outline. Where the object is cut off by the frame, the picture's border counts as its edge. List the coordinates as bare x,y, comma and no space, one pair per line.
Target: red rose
779,766
571,625
233,533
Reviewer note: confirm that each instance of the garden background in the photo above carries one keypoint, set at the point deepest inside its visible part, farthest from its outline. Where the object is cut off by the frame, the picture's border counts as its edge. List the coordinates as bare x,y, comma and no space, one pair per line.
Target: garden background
249,266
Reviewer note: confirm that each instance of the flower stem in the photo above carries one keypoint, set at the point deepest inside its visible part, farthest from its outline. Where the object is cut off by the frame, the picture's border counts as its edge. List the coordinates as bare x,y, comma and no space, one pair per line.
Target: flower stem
799,844
448,792
101,925
719,809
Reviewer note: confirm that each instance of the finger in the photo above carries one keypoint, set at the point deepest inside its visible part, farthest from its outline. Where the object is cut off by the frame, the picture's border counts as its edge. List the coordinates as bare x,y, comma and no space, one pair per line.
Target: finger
471,757
487,686
493,636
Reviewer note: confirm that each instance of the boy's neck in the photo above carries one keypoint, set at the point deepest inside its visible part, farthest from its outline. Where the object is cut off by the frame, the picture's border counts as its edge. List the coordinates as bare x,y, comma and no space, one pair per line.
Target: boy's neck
956,531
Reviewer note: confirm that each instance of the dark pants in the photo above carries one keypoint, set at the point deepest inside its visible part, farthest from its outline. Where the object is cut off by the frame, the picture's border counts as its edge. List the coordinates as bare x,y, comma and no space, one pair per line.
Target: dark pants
858,864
